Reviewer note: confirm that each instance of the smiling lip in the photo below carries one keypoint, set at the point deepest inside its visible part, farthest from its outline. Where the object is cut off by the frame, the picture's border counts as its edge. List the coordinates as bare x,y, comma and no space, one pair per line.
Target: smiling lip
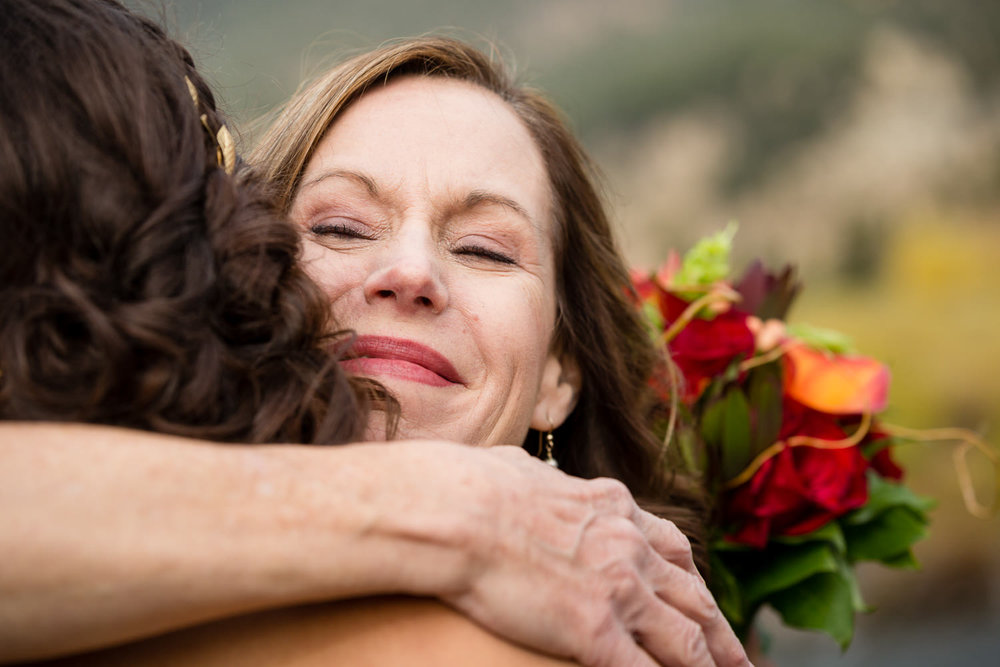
406,359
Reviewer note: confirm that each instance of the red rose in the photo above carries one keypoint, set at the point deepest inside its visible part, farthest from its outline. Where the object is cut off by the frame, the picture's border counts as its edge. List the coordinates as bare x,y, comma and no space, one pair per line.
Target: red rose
883,464
704,348
882,461
797,419
801,488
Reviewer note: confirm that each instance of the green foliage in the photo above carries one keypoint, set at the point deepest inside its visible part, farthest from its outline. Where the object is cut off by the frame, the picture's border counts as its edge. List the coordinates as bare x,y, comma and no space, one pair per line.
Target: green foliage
707,262
735,446
764,392
809,579
887,537
824,602
653,319
830,533
822,339
790,565
727,591
884,495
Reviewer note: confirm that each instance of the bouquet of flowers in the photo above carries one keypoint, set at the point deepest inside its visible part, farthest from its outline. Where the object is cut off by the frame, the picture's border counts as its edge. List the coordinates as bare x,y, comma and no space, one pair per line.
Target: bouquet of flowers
783,425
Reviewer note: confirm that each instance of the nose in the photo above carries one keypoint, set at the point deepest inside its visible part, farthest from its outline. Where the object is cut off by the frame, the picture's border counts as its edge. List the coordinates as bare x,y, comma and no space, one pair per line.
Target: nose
410,277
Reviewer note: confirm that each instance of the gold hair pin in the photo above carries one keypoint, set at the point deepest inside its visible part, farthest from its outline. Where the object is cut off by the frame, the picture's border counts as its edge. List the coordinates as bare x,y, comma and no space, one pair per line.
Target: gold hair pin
225,151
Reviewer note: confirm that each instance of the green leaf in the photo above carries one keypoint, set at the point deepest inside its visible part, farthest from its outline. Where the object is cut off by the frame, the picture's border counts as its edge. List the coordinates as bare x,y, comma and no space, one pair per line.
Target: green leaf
708,261
782,567
822,602
654,319
821,339
732,372
726,545
904,561
883,495
726,590
847,572
764,391
887,536
711,422
735,454
692,454
830,533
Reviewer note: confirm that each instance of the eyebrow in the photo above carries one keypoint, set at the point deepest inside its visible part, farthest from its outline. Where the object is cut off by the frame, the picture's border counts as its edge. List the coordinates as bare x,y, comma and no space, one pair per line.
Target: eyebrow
357,176
481,197
474,199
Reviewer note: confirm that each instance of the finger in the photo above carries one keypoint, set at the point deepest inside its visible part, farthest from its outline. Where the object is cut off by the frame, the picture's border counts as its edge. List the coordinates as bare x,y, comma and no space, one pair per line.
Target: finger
666,539
670,569
693,599
671,637
613,497
617,647
671,607
723,644
688,594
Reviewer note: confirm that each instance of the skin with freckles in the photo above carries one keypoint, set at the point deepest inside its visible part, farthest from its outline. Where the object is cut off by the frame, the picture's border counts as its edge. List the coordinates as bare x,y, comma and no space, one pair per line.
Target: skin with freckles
427,221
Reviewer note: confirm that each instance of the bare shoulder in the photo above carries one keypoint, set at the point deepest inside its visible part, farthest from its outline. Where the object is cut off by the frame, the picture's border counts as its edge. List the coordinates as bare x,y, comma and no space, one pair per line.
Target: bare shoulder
384,631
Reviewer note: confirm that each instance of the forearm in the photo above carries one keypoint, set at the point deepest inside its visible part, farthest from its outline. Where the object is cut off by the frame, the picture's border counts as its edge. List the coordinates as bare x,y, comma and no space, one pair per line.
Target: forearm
111,534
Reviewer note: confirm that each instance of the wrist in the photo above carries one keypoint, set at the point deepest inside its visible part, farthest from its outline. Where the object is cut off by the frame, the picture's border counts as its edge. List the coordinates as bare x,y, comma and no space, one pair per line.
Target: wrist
368,519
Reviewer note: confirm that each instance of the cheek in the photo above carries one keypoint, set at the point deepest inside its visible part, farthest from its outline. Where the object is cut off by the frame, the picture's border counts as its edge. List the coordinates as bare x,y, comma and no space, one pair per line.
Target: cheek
520,323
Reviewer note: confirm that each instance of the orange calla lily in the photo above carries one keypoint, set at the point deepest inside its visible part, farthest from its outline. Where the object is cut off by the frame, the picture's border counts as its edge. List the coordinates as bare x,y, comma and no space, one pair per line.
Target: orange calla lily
835,384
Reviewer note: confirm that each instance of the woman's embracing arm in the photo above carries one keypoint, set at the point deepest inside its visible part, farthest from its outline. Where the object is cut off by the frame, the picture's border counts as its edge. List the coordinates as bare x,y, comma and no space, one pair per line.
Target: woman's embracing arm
110,535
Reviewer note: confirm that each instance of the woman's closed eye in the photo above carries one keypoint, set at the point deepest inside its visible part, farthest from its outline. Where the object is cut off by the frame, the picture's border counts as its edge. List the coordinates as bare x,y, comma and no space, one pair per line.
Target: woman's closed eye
482,252
342,228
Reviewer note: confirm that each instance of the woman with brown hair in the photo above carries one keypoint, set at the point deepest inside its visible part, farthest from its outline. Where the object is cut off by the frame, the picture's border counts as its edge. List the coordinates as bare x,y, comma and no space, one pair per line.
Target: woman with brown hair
152,288
598,334
445,207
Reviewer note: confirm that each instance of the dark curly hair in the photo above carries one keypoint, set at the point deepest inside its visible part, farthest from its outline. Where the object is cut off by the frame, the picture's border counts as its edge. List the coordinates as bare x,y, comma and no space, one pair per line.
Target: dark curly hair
140,284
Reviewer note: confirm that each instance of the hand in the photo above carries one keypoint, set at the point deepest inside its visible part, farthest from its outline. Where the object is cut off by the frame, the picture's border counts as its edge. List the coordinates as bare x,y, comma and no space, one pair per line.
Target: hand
575,568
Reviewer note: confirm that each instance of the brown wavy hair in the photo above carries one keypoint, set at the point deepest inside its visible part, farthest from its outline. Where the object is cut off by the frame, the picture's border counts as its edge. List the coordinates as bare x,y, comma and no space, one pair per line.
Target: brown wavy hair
141,285
609,433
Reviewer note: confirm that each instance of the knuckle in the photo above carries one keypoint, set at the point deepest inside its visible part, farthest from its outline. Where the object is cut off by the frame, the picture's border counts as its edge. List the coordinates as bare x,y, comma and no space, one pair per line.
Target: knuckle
599,626
676,545
618,539
691,643
673,532
633,542
623,579
613,494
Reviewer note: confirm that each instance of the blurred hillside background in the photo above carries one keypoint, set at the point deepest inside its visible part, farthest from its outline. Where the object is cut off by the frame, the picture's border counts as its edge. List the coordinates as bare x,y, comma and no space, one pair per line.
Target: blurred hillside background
857,139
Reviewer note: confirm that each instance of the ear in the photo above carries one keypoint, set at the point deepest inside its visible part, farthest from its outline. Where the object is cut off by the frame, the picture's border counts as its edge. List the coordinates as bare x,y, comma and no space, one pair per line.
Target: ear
557,393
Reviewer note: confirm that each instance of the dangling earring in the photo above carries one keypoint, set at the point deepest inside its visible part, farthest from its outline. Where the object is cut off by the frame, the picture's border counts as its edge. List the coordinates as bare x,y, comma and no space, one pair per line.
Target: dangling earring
549,444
